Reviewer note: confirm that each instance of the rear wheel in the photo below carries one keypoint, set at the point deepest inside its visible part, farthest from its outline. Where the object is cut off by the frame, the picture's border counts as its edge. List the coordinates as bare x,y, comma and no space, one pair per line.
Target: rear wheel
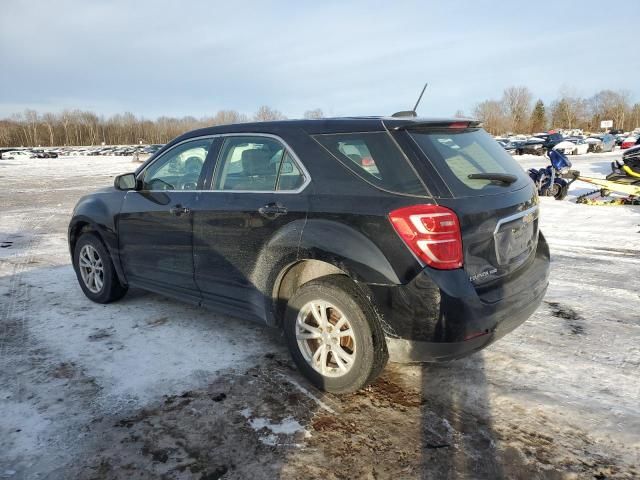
333,335
95,271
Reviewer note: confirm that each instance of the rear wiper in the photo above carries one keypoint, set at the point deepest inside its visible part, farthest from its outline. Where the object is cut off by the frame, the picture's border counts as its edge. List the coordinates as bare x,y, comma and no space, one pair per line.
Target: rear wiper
505,178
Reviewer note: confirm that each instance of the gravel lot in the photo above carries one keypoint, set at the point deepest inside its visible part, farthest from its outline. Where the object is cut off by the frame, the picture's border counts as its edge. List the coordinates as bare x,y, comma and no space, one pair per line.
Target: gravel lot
151,388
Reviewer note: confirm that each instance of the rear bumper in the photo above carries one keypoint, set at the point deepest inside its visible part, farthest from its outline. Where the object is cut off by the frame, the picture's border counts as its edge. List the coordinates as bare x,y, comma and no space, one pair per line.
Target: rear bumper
440,316
410,351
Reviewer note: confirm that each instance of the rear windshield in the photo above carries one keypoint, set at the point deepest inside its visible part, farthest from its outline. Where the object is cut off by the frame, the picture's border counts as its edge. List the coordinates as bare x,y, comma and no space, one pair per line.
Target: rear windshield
374,157
457,154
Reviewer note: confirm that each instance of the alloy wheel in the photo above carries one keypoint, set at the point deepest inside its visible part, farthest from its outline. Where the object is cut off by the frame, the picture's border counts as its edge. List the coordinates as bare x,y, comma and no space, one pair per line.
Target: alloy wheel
325,338
91,268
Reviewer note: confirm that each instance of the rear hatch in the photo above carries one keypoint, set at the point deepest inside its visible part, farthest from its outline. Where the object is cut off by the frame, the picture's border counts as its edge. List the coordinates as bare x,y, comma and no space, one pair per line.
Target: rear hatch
493,197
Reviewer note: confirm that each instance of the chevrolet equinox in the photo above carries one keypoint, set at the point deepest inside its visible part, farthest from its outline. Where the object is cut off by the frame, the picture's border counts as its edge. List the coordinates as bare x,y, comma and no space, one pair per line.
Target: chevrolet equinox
363,239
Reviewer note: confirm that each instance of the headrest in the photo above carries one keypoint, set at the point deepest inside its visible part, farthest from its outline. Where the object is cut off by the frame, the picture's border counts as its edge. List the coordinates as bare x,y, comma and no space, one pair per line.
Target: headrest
193,165
256,162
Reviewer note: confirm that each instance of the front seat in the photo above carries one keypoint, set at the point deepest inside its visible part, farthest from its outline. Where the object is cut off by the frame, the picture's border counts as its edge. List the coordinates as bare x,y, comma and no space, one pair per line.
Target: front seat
259,172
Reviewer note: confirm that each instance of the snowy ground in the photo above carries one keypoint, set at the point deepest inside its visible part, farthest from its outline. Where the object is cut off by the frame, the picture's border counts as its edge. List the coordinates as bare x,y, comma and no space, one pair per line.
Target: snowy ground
149,387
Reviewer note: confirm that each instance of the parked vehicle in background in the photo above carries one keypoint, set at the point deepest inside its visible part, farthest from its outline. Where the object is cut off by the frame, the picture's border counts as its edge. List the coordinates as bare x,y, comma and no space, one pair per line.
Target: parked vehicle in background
39,153
433,255
629,142
601,143
532,146
17,155
550,139
572,146
620,138
145,153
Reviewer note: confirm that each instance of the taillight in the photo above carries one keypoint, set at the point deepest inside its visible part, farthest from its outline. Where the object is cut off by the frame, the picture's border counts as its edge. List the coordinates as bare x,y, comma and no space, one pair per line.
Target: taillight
367,162
432,233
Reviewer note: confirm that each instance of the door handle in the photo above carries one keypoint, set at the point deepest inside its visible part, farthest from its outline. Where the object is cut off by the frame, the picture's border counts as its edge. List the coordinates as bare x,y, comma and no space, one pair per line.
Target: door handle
272,210
179,210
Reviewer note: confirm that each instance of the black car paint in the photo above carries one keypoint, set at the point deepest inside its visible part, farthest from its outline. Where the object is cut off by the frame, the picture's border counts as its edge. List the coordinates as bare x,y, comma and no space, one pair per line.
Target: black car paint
440,310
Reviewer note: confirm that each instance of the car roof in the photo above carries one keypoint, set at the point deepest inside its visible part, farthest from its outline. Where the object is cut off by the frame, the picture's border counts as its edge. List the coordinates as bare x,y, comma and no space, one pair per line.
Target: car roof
324,125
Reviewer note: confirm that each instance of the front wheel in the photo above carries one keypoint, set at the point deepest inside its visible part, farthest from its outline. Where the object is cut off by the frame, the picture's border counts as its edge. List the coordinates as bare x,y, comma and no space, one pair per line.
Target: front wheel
95,271
562,192
333,335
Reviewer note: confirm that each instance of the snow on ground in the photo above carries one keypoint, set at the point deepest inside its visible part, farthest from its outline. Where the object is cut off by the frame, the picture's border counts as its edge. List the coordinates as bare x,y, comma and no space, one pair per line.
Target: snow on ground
150,387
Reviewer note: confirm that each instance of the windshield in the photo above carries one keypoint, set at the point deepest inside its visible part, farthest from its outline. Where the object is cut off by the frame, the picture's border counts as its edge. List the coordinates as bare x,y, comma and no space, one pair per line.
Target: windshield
457,154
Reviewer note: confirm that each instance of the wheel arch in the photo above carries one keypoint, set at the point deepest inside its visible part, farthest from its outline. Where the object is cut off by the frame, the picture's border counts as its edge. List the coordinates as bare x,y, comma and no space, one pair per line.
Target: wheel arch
80,225
296,274
348,249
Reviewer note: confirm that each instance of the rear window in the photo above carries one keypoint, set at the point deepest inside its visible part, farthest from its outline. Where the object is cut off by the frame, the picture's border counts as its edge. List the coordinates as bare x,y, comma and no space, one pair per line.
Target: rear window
374,157
457,154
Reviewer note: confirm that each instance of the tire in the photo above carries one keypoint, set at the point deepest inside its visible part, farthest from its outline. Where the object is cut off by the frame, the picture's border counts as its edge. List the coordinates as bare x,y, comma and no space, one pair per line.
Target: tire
562,192
109,289
343,303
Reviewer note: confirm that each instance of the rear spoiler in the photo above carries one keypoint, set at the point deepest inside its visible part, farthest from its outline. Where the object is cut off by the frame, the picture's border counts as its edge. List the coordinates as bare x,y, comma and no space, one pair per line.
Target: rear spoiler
456,125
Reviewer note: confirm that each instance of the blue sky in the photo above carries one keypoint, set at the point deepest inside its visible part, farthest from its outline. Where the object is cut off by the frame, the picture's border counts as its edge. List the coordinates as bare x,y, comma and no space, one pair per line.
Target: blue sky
348,58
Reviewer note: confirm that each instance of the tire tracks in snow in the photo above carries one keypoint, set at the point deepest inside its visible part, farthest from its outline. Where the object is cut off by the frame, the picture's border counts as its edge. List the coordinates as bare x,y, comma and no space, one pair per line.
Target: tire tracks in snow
14,315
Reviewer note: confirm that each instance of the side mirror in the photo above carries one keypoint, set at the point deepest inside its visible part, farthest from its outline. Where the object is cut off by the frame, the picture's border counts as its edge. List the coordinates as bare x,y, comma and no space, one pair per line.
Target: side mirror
126,181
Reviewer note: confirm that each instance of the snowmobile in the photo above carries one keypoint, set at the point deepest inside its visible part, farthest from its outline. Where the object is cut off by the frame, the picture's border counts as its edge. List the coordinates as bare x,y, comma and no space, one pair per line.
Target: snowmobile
624,178
627,171
549,181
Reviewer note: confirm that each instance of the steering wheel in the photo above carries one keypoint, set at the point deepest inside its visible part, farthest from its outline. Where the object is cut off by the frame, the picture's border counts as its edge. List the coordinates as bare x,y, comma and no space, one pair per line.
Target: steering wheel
189,182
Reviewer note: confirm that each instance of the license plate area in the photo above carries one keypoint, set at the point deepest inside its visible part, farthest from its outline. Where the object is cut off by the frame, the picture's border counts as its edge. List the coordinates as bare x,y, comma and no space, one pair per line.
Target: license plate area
516,236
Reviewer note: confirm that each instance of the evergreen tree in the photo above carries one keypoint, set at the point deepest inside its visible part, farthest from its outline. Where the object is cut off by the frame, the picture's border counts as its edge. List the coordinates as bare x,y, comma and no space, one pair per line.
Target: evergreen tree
538,118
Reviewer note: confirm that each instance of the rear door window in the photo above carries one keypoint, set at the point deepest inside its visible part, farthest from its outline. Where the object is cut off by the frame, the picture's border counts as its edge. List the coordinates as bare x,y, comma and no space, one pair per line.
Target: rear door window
256,164
374,157
457,154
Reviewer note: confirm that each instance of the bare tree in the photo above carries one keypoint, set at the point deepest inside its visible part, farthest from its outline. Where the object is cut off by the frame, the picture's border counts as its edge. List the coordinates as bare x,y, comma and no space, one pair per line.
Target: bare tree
517,106
491,114
225,117
569,111
266,113
634,116
49,119
610,105
314,114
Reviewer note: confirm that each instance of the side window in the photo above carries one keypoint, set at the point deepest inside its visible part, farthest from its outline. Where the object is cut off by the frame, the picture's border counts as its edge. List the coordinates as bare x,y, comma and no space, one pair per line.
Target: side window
290,177
375,158
256,164
357,151
179,168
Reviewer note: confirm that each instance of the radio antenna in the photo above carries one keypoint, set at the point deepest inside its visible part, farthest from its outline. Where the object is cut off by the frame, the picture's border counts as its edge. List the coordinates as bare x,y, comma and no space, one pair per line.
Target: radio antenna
415,109
411,113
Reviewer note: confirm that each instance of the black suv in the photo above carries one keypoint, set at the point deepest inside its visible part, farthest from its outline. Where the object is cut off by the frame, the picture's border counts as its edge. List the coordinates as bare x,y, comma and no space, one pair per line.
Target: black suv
362,238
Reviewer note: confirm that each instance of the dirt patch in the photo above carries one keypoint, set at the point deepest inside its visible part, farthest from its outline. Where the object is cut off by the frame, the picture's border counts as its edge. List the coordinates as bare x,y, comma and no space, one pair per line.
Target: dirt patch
573,319
100,334
64,370
157,322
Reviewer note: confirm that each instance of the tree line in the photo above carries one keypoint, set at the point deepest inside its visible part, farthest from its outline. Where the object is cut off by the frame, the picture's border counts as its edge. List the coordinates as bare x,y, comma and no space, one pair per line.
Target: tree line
515,111
78,127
